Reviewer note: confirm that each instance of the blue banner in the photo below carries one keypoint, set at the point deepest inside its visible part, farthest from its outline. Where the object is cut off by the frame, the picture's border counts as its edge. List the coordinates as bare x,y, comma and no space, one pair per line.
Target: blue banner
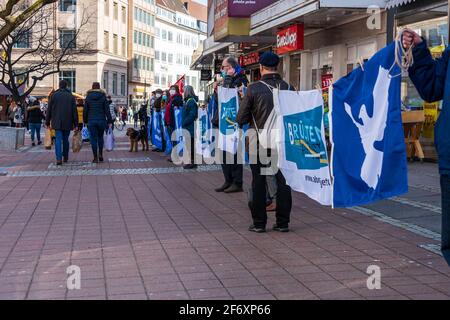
156,130
369,157
166,136
178,130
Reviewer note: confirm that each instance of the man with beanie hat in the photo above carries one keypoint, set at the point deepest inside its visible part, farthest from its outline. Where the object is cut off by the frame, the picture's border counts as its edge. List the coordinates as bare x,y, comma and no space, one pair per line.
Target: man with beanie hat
255,109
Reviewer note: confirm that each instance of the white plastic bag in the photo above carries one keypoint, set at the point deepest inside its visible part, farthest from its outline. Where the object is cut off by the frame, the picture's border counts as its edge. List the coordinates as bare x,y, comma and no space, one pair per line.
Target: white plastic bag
109,144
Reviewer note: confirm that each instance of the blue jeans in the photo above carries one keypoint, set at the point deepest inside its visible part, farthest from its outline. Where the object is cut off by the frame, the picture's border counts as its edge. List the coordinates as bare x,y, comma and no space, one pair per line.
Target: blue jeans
62,140
445,242
96,131
35,128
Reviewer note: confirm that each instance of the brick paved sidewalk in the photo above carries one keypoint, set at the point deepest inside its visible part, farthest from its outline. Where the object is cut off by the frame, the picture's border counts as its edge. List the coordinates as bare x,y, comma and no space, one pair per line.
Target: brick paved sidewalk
163,233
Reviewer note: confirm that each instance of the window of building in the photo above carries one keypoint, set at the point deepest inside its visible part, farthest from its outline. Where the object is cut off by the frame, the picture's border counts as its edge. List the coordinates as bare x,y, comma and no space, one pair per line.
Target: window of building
106,9
157,55
122,84
194,42
170,58
67,5
164,34
156,78
157,32
140,15
106,41
23,41
70,77
179,58
152,44
114,83
67,39
135,35
105,80
163,80
115,44
124,47
152,64
187,41
163,56
135,62
124,15
170,79
194,82
170,36
115,11
140,38
21,76
135,13
179,38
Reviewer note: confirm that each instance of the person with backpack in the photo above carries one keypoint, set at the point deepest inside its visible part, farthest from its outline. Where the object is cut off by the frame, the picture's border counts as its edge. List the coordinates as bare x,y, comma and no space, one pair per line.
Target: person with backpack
189,115
255,110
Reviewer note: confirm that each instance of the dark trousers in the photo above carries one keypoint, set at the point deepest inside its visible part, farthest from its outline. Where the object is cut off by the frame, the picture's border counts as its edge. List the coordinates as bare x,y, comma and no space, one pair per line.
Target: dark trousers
35,130
232,172
96,132
284,198
445,191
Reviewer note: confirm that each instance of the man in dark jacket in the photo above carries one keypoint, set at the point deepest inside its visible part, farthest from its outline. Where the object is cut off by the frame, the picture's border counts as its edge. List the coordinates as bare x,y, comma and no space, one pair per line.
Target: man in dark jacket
34,118
97,115
233,172
256,106
431,78
62,115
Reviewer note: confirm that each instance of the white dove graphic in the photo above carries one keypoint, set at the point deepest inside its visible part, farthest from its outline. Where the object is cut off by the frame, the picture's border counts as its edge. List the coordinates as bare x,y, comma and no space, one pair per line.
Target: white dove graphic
373,129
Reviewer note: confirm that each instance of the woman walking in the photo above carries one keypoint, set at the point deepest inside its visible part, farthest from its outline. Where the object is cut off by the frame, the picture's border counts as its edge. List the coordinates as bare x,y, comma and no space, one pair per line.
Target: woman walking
97,115
35,117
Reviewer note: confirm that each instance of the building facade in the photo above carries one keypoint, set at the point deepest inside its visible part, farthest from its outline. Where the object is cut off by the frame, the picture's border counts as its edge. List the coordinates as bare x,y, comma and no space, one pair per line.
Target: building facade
141,50
178,33
107,32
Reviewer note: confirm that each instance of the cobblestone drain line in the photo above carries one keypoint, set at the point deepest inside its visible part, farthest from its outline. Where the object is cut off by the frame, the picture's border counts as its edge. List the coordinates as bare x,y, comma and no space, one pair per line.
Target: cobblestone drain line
143,159
104,172
426,188
417,204
71,165
405,226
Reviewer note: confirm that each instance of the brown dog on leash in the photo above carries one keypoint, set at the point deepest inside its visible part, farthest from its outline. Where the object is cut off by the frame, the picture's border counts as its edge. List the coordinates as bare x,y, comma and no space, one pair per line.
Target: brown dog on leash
136,136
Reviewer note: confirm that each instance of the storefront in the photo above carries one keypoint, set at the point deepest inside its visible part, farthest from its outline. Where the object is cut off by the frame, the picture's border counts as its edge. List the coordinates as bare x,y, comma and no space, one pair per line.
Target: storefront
430,20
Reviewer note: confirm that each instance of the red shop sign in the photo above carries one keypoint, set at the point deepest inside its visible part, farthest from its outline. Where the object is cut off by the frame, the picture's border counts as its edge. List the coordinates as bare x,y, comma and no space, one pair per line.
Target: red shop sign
326,81
290,39
249,59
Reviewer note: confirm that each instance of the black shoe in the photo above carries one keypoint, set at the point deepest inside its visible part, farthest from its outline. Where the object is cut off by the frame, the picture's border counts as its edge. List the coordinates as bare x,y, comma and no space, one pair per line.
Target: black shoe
66,159
59,163
95,160
252,228
280,229
39,143
33,144
233,188
226,185
190,166
100,158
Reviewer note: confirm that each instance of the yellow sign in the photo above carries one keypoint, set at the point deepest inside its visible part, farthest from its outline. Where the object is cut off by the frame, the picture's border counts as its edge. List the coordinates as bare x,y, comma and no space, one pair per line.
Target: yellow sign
431,116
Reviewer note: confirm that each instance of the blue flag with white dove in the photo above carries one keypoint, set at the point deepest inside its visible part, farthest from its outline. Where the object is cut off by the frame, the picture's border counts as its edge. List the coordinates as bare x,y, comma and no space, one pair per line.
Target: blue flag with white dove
156,130
368,155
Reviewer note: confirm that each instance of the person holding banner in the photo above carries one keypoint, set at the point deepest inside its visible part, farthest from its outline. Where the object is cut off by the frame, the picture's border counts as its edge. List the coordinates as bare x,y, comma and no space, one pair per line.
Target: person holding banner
189,115
255,110
430,77
175,100
156,107
233,77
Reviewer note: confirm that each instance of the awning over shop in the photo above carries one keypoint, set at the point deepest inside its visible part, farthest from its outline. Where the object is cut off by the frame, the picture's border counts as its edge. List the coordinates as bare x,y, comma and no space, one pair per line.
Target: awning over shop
284,11
396,3
205,57
5,92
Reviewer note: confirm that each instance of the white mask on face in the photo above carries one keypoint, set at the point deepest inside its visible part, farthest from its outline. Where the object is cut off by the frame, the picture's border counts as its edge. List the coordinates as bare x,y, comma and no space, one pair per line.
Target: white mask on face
158,95
172,92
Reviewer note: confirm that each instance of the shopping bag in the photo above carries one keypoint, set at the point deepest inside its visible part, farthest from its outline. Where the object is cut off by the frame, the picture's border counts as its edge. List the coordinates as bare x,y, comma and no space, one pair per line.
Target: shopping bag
47,139
85,133
76,141
109,144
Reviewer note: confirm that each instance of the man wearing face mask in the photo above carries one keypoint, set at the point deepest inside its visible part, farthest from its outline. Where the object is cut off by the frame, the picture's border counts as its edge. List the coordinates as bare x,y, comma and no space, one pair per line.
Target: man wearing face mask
233,77
157,108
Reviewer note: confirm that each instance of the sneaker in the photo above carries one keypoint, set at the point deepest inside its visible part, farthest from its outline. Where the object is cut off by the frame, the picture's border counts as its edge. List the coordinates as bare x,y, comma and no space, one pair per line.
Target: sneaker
33,144
100,158
226,185
95,160
66,159
59,163
39,143
280,229
233,188
252,228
